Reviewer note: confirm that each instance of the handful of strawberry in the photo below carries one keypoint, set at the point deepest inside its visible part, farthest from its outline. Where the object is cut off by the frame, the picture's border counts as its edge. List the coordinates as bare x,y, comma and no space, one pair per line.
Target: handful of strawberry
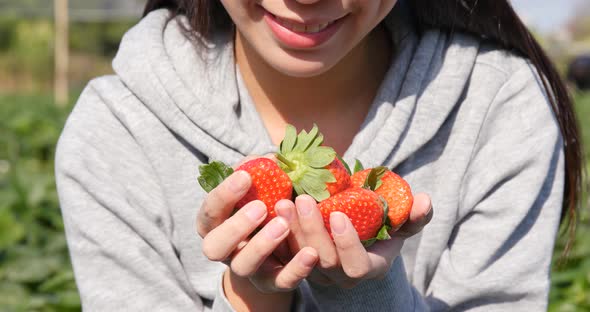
376,200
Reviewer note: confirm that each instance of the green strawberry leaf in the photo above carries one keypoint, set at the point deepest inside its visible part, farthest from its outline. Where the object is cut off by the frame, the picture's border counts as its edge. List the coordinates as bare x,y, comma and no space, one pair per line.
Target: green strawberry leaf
368,242
373,180
383,233
290,139
386,220
358,166
345,164
213,174
314,183
305,140
320,157
317,141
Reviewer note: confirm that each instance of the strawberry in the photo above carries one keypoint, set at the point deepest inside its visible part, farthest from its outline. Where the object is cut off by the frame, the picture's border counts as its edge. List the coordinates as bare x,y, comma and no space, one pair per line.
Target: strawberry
309,164
393,188
269,183
363,207
341,175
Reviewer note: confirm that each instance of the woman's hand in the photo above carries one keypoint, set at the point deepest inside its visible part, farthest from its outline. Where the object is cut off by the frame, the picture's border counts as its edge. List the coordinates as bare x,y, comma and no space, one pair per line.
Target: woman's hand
344,261
233,240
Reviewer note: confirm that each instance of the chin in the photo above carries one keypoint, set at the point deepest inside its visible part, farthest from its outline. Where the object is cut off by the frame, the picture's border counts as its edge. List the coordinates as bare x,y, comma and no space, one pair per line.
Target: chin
299,67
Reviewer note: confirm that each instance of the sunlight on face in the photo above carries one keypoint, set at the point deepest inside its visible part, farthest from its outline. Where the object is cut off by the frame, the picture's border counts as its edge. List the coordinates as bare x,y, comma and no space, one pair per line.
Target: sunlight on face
303,38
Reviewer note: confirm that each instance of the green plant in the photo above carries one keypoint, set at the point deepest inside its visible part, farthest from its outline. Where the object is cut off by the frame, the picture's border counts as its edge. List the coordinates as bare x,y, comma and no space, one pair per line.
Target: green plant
35,272
570,281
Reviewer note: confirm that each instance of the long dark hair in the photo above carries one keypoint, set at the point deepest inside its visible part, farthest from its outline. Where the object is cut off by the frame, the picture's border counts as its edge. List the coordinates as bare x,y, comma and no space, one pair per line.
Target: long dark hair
491,19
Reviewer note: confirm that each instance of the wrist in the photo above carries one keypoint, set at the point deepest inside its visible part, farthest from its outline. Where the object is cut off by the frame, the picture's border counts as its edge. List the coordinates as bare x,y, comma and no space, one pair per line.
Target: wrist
244,296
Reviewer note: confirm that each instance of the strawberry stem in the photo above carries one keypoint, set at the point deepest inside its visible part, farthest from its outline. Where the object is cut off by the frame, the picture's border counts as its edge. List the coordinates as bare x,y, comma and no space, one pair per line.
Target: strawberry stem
287,162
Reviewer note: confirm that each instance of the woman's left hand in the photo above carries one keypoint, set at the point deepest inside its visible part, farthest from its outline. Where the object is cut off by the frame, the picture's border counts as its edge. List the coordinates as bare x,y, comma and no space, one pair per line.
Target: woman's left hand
344,261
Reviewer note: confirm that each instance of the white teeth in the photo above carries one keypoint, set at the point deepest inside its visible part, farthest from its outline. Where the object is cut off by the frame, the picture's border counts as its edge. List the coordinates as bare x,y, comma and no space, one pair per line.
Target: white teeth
301,28
298,27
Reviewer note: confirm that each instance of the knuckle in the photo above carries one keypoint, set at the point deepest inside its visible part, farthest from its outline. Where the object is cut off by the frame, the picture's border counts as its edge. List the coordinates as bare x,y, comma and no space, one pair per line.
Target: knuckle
240,270
286,283
201,230
209,213
345,243
331,263
356,272
212,251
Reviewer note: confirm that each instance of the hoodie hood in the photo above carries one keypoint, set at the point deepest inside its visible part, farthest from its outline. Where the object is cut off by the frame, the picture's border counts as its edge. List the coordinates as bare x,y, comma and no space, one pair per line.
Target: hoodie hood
199,95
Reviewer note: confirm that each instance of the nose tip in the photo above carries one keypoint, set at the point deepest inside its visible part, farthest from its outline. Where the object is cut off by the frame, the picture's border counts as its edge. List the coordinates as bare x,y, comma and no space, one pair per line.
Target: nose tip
307,1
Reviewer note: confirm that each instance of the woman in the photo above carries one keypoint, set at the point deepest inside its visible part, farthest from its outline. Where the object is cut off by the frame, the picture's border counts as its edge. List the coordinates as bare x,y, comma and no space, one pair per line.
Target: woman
455,96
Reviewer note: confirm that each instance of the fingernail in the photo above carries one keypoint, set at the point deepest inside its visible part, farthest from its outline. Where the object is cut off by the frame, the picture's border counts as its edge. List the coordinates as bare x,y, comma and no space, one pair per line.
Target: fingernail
304,206
255,211
284,211
276,228
239,181
308,259
337,223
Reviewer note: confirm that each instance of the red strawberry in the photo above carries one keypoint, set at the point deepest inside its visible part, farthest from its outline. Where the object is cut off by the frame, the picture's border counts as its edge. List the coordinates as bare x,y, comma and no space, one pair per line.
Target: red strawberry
341,175
395,190
363,207
270,184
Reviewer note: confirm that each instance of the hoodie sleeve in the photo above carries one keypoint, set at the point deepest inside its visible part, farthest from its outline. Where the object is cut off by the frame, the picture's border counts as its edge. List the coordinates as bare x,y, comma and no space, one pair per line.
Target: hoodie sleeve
116,221
498,257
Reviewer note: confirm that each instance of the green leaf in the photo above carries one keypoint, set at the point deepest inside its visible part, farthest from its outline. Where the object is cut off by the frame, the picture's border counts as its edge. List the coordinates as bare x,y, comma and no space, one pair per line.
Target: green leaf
213,174
13,296
290,139
314,183
305,140
68,299
373,180
32,270
298,189
62,280
320,157
386,220
358,166
368,242
345,164
383,233
317,141
11,231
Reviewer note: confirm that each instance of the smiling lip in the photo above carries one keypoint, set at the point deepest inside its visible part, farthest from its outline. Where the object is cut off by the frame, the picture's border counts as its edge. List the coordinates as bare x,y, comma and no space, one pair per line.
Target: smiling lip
301,36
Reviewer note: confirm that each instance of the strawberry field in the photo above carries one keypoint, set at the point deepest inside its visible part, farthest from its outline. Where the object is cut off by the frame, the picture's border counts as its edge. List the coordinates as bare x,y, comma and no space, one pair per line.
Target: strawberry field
35,272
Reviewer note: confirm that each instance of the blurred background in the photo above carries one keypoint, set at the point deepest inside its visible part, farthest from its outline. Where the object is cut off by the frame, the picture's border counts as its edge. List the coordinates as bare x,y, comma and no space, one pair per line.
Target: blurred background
49,49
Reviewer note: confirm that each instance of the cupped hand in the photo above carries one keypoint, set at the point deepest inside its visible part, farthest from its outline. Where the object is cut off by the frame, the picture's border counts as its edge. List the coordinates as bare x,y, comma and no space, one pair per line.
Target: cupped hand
344,261
234,240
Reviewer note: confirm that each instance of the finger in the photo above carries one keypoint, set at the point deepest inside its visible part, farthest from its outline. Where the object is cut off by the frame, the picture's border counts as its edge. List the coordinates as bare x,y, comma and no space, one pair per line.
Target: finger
353,256
220,202
420,215
218,245
299,268
313,229
381,254
286,209
248,260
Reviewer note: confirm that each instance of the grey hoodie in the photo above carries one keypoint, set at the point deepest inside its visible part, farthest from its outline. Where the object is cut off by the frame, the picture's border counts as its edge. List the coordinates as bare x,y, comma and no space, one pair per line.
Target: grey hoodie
459,118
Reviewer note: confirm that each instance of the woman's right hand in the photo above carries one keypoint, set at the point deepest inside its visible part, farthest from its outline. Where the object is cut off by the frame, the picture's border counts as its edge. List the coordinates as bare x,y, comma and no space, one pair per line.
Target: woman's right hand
233,240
